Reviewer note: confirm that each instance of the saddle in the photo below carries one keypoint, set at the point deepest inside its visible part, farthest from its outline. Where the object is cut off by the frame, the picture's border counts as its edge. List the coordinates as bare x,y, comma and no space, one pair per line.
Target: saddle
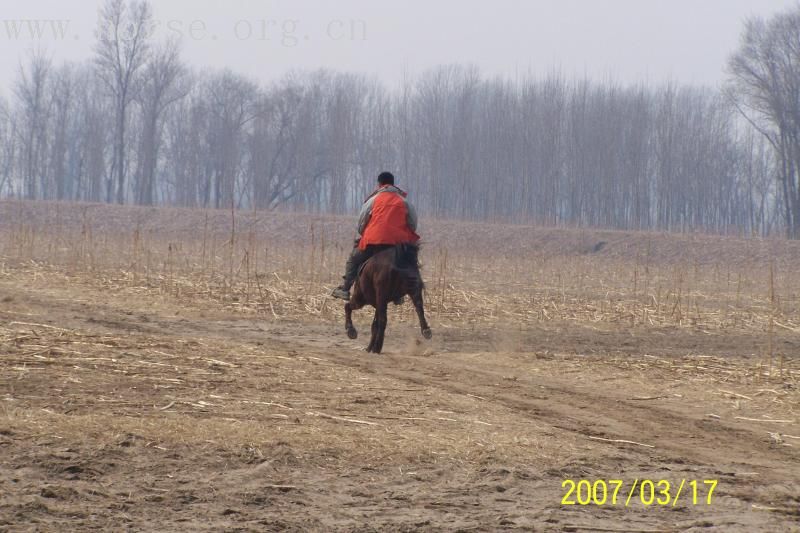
405,265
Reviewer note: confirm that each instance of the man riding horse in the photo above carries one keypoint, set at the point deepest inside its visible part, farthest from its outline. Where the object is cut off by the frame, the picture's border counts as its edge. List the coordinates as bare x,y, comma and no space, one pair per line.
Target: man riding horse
386,219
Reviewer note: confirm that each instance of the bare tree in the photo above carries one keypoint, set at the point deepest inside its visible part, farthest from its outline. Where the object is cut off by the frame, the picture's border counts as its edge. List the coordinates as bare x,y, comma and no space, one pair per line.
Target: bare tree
765,87
188,166
276,145
757,164
62,95
8,144
232,104
30,90
122,49
164,82
94,132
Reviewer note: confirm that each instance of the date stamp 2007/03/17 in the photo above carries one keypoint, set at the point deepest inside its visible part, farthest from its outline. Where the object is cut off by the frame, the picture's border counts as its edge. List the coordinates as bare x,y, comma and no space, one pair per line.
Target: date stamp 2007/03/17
641,491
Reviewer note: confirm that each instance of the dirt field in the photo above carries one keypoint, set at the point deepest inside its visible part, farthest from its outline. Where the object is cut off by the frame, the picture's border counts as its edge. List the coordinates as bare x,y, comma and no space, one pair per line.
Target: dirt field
164,370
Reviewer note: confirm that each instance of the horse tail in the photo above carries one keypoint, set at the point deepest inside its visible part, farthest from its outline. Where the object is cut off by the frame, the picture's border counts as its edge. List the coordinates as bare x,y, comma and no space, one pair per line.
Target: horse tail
406,260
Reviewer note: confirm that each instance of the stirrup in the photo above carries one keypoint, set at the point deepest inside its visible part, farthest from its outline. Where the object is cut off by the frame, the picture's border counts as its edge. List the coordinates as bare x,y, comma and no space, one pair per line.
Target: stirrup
400,301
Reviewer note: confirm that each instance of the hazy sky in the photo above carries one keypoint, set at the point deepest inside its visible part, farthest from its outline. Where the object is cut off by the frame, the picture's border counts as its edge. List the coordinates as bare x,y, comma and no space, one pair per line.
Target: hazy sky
631,40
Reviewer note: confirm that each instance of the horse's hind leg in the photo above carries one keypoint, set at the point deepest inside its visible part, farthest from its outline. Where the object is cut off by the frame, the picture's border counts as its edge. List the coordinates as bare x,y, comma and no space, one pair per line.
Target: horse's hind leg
371,346
348,321
382,320
416,298
378,328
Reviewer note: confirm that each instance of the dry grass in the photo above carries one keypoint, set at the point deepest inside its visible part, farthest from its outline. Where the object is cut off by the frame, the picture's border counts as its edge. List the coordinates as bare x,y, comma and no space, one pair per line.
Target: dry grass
283,266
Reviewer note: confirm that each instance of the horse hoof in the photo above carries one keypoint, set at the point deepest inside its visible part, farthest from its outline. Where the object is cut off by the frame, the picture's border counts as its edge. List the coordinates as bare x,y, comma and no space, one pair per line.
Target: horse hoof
427,333
352,333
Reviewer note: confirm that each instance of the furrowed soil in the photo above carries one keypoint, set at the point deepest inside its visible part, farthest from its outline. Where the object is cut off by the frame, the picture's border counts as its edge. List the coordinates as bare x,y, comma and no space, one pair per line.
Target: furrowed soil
150,398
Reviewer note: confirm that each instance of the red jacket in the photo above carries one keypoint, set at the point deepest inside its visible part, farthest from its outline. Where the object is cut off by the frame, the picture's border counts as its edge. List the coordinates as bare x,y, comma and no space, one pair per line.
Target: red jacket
387,218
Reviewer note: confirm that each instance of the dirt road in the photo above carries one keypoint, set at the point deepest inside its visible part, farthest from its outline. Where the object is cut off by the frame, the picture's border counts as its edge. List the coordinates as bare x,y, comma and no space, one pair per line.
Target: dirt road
143,413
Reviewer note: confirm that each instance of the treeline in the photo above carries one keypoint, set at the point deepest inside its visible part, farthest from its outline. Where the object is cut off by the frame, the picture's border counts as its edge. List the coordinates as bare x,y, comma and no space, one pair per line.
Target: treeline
135,125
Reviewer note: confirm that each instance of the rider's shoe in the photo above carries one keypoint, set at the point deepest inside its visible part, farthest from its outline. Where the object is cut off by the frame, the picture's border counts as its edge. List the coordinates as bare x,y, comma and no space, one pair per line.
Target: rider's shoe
400,301
341,293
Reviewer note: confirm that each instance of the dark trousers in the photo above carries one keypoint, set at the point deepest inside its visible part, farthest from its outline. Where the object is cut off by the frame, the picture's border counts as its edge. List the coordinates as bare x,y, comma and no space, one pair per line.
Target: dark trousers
358,258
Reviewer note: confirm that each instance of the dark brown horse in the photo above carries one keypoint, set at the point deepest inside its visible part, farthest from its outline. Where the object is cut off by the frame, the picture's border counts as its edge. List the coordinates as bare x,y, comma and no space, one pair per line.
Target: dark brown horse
387,277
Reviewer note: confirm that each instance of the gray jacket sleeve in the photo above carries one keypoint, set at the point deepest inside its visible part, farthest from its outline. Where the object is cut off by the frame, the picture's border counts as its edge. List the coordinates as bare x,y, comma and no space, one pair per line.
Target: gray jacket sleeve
412,216
364,215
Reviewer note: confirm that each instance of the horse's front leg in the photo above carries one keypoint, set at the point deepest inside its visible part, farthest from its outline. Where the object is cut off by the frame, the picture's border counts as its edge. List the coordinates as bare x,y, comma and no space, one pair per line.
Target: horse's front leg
416,298
348,321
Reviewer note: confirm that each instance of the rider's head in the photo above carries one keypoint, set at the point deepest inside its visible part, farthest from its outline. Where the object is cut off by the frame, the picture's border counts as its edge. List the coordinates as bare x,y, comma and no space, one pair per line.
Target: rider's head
385,178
